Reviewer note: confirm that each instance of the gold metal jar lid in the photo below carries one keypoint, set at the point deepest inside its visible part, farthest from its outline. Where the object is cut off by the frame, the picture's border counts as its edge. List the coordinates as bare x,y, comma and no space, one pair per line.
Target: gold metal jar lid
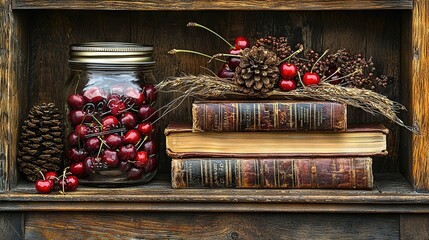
110,54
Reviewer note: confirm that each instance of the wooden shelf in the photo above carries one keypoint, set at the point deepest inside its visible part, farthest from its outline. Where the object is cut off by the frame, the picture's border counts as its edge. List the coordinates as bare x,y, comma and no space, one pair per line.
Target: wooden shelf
391,194
214,5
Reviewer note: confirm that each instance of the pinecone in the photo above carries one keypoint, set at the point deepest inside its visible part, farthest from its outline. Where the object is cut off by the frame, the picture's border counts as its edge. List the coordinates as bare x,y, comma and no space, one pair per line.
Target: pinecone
257,72
41,143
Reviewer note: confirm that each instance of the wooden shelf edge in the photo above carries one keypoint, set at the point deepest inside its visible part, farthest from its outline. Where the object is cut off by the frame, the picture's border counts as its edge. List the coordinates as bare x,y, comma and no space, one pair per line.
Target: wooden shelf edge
213,207
392,194
177,5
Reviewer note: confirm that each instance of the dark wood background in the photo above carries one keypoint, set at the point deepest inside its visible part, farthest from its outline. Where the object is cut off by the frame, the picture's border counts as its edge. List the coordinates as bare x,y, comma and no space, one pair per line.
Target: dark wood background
51,32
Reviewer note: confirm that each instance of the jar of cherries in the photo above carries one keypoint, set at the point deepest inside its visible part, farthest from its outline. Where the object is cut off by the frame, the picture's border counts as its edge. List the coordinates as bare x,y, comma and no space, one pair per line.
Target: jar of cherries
110,114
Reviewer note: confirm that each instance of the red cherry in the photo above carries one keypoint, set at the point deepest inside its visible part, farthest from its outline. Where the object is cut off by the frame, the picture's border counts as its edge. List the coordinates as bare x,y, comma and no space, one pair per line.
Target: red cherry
127,152
288,70
234,51
69,183
88,165
134,173
151,165
287,84
137,97
150,93
44,186
310,78
76,117
92,144
73,140
76,101
150,146
116,111
77,169
131,137
93,95
129,120
225,72
72,183
125,166
110,158
113,141
241,42
51,175
110,122
147,113
141,159
75,155
145,128
81,131
233,62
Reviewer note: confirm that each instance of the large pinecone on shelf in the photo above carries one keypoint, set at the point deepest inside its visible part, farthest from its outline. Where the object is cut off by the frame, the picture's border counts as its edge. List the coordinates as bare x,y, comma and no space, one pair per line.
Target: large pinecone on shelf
41,143
257,72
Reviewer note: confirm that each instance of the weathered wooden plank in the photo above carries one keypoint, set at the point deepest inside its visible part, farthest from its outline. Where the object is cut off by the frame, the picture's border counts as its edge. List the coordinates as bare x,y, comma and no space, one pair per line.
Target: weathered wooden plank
414,226
214,5
210,226
391,183
419,94
13,72
11,225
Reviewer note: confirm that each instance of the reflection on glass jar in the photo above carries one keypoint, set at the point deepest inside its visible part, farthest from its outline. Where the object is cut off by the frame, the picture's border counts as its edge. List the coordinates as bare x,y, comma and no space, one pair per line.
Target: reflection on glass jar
110,102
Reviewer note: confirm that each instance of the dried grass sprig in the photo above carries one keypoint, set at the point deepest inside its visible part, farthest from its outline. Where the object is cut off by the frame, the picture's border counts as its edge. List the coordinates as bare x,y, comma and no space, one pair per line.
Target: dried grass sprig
210,87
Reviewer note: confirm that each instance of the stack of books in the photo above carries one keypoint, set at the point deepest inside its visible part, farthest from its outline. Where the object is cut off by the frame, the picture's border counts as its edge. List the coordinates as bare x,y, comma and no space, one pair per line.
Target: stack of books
273,144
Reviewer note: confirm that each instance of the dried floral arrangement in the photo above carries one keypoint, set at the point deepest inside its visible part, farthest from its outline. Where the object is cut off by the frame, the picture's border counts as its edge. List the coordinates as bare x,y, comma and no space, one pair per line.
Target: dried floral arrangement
272,68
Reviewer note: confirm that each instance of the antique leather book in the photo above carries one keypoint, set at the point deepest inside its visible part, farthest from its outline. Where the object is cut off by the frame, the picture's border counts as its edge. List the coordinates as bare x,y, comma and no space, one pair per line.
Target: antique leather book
268,115
364,140
331,172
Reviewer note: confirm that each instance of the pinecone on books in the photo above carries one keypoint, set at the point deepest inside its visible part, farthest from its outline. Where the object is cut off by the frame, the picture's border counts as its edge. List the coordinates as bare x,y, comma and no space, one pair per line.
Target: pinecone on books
41,143
258,72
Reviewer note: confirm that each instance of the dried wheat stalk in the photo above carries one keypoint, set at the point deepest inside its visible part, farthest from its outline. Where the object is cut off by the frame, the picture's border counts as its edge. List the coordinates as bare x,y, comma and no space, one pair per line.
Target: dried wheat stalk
210,87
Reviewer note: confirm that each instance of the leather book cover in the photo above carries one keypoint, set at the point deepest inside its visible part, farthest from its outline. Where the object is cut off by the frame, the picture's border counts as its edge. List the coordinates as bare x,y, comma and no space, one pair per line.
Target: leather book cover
266,173
268,115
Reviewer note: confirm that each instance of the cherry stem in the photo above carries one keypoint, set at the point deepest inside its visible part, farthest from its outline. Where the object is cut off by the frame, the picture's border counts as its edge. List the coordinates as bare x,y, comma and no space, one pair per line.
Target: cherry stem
99,150
141,144
300,80
326,51
103,142
43,175
336,71
301,48
349,75
174,51
96,120
64,181
224,55
194,24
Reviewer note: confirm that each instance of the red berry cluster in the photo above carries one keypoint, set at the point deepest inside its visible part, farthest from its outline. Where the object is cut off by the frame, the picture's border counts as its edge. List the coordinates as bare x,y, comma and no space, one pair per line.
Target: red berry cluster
112,129
51,181
228,69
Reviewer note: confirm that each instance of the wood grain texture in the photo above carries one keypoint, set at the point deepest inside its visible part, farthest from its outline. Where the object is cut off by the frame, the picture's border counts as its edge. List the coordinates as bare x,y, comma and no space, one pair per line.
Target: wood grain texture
209,226
11,225
414,226
13,70
419,94
214,5
390,195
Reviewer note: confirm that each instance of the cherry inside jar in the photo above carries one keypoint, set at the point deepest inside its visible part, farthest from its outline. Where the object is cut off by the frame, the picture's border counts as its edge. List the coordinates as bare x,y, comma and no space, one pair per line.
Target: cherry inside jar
110,113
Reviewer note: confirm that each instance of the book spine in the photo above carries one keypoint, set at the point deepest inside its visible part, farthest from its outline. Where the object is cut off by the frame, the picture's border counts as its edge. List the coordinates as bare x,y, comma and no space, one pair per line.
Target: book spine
269,116
335,173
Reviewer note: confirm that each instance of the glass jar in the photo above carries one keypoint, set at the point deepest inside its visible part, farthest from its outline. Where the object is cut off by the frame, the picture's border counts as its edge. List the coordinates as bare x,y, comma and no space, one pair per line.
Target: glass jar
110,114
